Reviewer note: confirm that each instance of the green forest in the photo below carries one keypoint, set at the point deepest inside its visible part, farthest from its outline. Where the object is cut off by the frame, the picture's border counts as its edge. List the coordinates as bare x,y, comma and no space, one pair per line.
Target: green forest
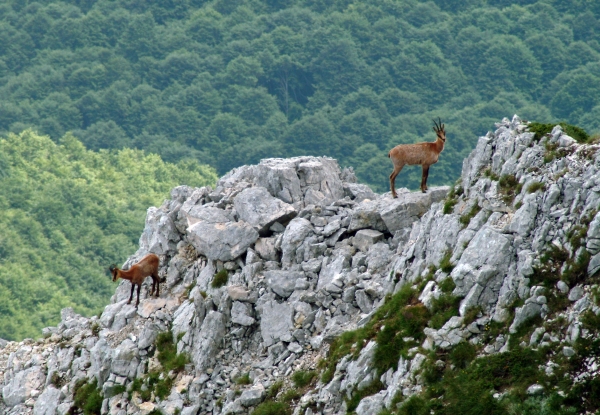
228,82
67,214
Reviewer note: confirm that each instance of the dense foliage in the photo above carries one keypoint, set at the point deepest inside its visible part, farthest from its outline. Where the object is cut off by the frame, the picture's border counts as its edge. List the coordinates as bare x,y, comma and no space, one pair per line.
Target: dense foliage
67,214
230,82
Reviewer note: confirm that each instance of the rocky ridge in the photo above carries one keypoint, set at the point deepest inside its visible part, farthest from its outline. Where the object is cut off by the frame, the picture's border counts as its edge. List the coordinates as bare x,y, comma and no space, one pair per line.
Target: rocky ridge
310,254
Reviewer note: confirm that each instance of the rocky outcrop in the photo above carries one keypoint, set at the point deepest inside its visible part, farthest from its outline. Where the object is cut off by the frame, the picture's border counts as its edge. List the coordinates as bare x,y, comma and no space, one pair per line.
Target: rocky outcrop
310,254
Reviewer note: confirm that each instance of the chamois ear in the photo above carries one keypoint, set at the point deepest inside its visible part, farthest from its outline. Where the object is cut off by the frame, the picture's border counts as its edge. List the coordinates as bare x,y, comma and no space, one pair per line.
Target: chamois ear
112,268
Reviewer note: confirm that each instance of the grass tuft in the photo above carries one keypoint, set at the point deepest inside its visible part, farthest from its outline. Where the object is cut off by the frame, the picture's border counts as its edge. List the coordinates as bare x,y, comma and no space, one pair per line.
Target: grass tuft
466,218
535,186
220,279
445,264
303,378
243,380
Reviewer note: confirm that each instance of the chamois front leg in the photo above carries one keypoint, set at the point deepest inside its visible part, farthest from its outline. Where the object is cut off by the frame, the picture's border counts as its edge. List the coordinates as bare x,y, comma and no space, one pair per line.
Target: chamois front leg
395,173
424,178
131,295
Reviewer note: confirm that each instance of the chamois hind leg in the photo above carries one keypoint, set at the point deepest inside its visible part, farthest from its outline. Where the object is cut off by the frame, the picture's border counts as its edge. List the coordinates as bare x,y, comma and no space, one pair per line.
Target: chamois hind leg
138,296
424,178
397,169
153,287
156,280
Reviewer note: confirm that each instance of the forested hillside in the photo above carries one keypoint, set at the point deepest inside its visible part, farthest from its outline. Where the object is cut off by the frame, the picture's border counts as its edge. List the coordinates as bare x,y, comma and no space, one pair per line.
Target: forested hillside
227,82
67,214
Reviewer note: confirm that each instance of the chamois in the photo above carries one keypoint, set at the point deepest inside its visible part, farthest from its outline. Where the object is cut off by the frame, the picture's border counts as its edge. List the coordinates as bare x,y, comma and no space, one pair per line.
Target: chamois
424,154
146,267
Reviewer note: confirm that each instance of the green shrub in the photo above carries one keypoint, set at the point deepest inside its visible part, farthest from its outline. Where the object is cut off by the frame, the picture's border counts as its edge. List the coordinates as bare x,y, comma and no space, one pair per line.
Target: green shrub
274,390
357,395
535,186
489,173
442,309
540,130
290,395
471,315
445,264
509,187
466,218
167,353
272,408
302,378
462,354
551,152
243,380
220,279
87,397
415,405
449,206
400,316
447,285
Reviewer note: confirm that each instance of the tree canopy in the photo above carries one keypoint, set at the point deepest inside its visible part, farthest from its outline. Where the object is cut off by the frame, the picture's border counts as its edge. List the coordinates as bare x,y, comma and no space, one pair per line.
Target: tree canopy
230,82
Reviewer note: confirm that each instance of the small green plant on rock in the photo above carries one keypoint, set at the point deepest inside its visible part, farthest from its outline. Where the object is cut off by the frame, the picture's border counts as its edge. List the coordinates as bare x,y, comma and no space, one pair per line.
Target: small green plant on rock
509,187
535,186
243,380
87,397
220,279
466,218
303,378
445,264
490,174
160,382
272,408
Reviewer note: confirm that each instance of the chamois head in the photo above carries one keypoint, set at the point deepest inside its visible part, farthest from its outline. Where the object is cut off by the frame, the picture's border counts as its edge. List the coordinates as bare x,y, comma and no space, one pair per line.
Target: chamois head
113,271
439,130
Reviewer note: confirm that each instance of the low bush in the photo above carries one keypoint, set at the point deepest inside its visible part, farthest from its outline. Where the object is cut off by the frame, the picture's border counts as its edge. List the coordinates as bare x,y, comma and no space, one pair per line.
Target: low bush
302,378
87,397
220,279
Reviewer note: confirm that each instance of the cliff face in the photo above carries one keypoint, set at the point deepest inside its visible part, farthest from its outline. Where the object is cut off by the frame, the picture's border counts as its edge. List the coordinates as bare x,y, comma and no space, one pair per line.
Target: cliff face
267,270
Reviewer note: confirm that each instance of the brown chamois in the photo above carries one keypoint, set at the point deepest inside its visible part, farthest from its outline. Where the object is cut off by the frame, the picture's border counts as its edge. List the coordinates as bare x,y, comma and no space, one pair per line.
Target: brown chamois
146,267
424,154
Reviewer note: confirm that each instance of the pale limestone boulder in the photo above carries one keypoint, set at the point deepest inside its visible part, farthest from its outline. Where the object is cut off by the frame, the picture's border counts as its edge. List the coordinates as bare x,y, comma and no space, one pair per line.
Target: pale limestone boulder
257,207
23,385
207,340
276,322
222,241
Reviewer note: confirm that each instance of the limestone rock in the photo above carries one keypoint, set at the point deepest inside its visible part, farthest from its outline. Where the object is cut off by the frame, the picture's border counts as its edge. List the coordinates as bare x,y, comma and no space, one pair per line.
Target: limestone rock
365,238
24,383
276,322
222,241
283,282
257,207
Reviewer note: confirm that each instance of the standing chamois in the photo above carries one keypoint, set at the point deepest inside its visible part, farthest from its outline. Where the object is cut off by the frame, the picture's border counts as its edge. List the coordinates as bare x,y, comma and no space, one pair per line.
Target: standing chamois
424,154
146,267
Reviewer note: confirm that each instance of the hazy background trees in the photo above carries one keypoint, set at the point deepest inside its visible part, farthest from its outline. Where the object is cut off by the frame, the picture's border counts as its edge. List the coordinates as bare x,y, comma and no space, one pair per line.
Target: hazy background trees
229,82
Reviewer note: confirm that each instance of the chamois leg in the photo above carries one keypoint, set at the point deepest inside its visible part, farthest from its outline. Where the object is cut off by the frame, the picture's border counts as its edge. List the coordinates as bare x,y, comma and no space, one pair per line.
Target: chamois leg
424,178
131,295
156,280
138,296
152,290
397,169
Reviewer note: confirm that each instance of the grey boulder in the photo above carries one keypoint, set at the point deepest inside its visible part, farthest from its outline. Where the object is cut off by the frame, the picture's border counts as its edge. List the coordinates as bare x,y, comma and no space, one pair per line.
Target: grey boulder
222,241
257,207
